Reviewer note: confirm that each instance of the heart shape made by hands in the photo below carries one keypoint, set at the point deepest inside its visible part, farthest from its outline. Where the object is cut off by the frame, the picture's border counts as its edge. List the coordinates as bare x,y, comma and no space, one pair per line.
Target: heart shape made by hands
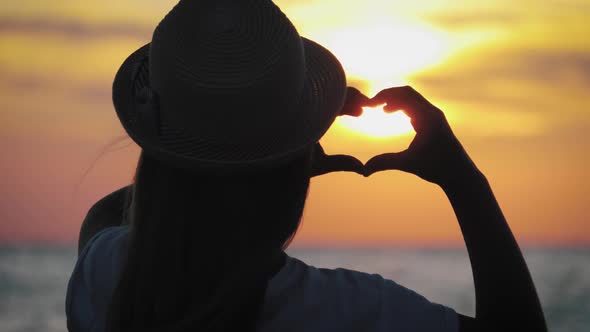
324,163
435,154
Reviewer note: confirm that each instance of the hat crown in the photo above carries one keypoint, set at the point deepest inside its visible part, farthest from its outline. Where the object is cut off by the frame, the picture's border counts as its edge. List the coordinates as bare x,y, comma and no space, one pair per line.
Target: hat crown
230,65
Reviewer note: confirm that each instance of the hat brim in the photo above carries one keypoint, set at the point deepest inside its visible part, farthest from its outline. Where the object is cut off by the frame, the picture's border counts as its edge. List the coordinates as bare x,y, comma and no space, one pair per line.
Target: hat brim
320,102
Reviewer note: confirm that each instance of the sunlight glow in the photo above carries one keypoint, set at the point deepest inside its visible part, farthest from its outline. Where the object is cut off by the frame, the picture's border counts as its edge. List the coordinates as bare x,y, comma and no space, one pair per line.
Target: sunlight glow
375,122
382,53
387,53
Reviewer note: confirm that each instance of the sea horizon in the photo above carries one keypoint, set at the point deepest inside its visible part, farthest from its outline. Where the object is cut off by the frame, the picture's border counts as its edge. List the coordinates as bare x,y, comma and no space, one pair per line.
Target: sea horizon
33,280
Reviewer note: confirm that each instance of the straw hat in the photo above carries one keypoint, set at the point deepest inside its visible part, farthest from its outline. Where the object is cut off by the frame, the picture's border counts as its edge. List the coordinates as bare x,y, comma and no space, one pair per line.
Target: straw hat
228,86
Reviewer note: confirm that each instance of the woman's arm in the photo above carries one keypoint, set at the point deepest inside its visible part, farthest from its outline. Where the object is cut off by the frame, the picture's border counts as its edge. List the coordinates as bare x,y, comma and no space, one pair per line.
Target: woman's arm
506,299
107,212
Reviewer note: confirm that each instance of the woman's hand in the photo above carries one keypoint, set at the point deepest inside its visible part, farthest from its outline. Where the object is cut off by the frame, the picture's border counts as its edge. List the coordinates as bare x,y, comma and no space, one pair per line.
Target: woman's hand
323,163
435,154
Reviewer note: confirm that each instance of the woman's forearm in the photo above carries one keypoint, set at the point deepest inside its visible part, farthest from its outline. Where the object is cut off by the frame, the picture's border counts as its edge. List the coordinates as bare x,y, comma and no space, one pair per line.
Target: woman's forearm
506,298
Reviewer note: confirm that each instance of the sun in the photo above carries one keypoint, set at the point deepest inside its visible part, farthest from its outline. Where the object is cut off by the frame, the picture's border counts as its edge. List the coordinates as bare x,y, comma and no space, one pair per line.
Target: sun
375,122
381,54
386,52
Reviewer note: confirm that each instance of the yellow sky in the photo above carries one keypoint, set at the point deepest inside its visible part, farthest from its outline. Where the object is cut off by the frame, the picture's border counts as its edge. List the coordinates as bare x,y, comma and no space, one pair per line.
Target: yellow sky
512,76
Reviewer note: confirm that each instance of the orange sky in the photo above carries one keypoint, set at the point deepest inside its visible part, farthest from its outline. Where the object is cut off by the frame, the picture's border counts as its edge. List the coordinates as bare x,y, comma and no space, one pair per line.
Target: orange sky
512,77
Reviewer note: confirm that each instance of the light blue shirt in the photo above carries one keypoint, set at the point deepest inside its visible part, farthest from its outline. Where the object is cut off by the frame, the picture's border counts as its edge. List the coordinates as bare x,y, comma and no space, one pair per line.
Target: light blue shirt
299,297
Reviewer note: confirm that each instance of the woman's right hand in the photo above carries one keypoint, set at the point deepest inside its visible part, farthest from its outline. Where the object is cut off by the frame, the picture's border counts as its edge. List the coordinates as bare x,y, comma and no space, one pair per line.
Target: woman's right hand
505,295
435,154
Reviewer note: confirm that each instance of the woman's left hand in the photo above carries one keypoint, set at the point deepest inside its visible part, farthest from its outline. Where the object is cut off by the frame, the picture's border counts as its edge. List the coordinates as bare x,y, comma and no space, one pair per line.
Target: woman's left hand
323,163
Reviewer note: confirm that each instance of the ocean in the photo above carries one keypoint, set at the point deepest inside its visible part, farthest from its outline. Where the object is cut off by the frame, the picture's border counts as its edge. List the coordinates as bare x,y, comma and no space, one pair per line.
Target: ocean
33,281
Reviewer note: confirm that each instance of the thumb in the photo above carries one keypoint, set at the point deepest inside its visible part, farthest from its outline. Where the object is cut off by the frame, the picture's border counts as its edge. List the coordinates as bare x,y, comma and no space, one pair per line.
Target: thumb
337,163
387,161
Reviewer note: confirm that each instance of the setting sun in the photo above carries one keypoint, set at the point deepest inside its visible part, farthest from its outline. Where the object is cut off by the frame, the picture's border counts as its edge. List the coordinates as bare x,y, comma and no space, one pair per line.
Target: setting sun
385,54
375,122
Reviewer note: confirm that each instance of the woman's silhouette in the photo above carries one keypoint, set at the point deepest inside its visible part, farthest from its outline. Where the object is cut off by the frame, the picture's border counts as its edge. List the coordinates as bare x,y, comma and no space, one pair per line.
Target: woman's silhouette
228,103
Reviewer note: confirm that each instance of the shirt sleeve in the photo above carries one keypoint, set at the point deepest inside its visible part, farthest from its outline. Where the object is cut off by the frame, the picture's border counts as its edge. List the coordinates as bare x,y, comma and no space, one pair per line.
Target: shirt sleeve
402,309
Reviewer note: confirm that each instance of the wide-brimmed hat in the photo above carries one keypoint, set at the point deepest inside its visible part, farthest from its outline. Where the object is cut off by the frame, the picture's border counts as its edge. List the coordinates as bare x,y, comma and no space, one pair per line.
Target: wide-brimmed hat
228,86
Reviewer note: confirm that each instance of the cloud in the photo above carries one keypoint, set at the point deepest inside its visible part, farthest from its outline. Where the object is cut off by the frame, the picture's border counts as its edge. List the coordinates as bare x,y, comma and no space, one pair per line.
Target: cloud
508,75
508,14
555,67
514,93
25,84
468,20
73,29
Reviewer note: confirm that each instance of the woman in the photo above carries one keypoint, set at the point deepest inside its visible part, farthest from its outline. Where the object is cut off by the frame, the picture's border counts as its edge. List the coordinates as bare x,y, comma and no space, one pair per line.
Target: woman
228,103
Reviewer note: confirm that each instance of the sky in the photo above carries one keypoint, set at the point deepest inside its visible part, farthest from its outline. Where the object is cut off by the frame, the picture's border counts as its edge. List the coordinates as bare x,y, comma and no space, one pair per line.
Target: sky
511,76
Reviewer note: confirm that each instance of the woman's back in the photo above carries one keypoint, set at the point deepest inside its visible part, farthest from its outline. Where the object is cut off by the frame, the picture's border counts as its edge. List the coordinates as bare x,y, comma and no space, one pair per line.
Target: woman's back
299,297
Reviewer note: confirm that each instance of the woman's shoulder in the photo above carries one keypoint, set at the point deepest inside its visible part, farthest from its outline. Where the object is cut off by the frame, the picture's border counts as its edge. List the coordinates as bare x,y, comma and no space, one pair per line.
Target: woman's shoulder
379,301
107,236
342,284
335,277
102,257
95,275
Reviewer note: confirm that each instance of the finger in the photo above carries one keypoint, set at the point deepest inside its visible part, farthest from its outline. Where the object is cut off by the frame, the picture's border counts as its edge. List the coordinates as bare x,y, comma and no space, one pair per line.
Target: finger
354,102
338,163
387,161
401,98
397,92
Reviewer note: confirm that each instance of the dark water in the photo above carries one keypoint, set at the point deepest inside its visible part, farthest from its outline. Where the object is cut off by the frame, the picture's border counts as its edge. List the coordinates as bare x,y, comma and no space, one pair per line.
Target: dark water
33,281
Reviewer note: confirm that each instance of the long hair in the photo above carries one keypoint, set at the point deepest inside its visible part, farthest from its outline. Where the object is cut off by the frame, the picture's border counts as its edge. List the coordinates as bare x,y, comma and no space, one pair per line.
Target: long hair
200,246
